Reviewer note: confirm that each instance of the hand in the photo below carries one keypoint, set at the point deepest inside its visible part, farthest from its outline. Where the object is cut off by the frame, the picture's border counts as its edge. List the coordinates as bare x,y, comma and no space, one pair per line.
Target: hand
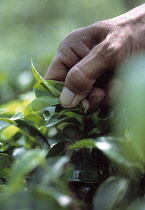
87,53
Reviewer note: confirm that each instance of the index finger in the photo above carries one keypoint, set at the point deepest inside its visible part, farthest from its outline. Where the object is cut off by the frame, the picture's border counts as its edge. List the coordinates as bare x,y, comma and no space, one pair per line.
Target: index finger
57,70
65,59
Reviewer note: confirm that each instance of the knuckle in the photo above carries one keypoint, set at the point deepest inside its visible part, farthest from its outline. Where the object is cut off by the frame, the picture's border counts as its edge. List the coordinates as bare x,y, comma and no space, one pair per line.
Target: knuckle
77,41
71,41
113,45
62,47
113,49
77,80
76,31
110,49
71,36
66,55
102,29
64,51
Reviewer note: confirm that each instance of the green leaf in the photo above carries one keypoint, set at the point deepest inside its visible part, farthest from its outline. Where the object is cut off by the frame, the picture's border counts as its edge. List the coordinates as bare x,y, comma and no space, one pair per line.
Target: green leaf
5,172
100,123
9,132
27,129
3,124
84,143
84,106
5,164
112,194
137,204
62,199
54,120
48,111
41,90
51,85
70,130
134,101
94,131
51,171
35,118
57,85
59,149
2,188
41,103
37,198
59,165
28,162
9,121
17,116
2,111
5,160
31,131
42,87
72,114
123,152
120,151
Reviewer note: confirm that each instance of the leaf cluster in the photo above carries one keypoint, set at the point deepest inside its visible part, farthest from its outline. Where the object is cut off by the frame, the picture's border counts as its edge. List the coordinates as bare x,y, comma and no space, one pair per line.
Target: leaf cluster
53,157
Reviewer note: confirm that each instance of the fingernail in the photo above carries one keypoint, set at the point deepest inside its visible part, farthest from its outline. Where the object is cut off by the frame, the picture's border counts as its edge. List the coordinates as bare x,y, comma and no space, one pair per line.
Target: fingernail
66,97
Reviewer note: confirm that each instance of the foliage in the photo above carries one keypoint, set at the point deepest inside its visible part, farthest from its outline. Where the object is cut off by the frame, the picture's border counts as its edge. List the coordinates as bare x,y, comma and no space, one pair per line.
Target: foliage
56,158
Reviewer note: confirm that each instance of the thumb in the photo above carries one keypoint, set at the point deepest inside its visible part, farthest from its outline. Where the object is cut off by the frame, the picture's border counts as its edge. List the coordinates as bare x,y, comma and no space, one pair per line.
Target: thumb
81,78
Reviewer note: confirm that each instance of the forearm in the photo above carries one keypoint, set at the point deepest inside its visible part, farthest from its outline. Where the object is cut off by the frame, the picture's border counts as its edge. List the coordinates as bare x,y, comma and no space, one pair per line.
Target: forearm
136,14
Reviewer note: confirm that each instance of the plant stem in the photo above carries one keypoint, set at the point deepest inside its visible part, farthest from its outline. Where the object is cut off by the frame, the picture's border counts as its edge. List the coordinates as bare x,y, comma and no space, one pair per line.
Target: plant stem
83,127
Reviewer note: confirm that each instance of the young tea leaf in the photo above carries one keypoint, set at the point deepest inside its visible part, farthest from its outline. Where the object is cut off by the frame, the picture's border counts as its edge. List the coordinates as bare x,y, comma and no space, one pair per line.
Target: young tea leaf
49,84
41,90
41,103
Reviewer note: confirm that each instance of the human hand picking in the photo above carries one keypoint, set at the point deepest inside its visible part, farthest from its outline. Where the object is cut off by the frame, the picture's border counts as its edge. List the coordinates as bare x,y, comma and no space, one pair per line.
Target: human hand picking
87,53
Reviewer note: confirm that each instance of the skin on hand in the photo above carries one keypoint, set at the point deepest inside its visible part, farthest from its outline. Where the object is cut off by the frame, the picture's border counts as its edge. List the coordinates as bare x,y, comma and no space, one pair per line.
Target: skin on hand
87,53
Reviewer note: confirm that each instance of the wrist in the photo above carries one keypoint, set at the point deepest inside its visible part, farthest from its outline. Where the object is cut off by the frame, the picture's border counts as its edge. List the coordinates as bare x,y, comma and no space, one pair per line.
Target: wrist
133,17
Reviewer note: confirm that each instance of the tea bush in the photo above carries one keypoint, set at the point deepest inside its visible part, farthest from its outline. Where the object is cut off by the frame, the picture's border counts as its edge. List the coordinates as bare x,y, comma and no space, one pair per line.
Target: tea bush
56,158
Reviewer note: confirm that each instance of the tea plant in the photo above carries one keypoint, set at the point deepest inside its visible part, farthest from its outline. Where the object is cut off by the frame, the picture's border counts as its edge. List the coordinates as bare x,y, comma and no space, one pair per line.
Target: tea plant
56,158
